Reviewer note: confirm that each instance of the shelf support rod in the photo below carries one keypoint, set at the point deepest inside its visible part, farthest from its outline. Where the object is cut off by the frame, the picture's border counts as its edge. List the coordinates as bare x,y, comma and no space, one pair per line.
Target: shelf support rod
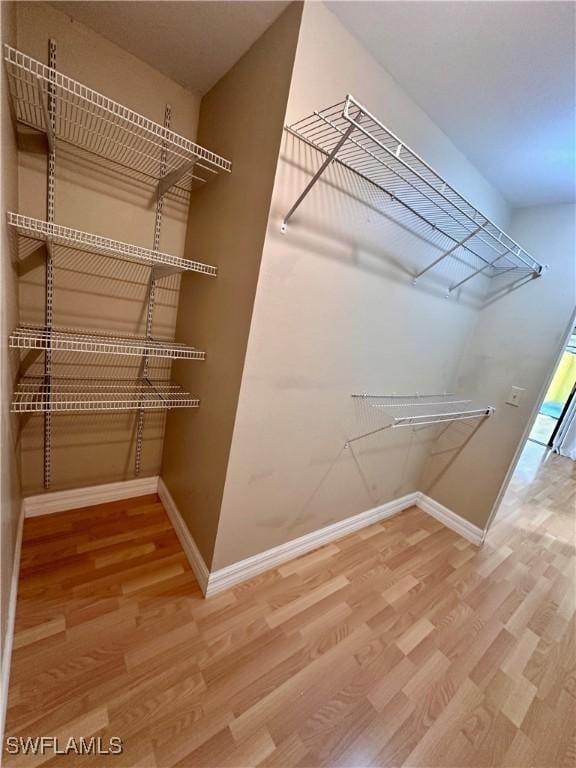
331,157
367,434
420,421
168,181
478,271
50,118
152,288
455,247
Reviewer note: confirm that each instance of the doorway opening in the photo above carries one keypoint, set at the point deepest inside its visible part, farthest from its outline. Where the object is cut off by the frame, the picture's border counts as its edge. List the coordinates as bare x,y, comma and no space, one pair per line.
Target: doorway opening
544,443
558,398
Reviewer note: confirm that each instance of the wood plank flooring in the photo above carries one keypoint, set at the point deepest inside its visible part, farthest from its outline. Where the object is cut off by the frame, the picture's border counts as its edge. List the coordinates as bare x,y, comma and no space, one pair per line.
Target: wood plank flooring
401,645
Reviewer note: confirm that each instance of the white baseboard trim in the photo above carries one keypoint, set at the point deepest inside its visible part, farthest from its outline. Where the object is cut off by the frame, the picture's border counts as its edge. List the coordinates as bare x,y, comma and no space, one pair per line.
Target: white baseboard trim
185,537
60,501
10,620
450,519
227,577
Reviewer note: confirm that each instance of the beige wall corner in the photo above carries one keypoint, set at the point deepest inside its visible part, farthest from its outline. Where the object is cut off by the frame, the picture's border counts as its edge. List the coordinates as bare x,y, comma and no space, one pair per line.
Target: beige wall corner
240,118
336,313
9,436
517,342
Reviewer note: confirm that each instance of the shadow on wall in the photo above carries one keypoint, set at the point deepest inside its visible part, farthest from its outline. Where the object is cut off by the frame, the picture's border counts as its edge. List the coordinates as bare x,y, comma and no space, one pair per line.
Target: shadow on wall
121,182
103,446
441,445
449,443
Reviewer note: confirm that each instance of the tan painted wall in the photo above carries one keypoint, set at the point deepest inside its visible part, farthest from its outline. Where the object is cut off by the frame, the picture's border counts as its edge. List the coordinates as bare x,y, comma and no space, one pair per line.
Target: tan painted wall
336,313
515,343
92,292
9,455
243,116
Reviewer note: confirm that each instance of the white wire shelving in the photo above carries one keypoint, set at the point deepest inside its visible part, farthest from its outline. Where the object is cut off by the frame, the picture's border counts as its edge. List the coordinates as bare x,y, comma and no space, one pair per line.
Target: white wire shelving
73,116
58,235
34,395
80,340
347,133
89,120
416,411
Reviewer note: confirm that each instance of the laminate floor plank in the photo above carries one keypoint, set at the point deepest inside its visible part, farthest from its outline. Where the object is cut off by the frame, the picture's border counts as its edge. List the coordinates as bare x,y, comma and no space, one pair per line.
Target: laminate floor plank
399,646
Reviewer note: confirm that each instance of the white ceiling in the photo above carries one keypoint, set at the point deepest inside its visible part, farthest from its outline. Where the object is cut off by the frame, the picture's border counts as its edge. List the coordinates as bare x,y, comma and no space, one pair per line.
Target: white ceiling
497,77
194,43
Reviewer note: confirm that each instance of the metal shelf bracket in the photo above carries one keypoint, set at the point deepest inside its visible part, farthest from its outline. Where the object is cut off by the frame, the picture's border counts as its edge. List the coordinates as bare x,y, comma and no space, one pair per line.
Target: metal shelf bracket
331,157
172,178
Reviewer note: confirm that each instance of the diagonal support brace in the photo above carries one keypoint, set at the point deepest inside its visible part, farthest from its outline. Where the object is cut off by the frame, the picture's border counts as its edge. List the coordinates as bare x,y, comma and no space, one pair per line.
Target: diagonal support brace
168,181
478,271
440,258
160,272
329,159
46,114
367,434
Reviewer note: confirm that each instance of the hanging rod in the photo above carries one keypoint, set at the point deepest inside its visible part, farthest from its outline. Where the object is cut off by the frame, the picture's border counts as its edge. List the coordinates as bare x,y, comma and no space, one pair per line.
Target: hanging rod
421,410
347,133
394,396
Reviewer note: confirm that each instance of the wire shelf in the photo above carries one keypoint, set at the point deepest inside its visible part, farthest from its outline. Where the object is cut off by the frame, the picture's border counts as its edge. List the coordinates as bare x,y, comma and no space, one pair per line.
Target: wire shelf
37,394
90,120
55,234
416,410
80,340
348,134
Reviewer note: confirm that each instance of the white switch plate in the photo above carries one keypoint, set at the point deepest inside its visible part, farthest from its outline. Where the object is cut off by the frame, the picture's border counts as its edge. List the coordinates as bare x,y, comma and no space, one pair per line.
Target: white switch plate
515,396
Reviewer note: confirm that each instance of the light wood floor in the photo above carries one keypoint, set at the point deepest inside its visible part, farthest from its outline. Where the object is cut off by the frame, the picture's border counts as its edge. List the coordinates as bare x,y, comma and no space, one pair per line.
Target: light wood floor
401,645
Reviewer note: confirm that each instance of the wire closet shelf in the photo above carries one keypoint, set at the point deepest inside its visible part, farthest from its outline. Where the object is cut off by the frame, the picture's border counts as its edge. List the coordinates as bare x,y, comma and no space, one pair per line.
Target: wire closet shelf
349,134
416,411
56,234
34,395
89,120
81,340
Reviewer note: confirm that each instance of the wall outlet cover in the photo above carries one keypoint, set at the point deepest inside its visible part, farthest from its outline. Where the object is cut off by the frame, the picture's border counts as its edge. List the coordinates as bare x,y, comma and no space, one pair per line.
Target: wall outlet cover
515,396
